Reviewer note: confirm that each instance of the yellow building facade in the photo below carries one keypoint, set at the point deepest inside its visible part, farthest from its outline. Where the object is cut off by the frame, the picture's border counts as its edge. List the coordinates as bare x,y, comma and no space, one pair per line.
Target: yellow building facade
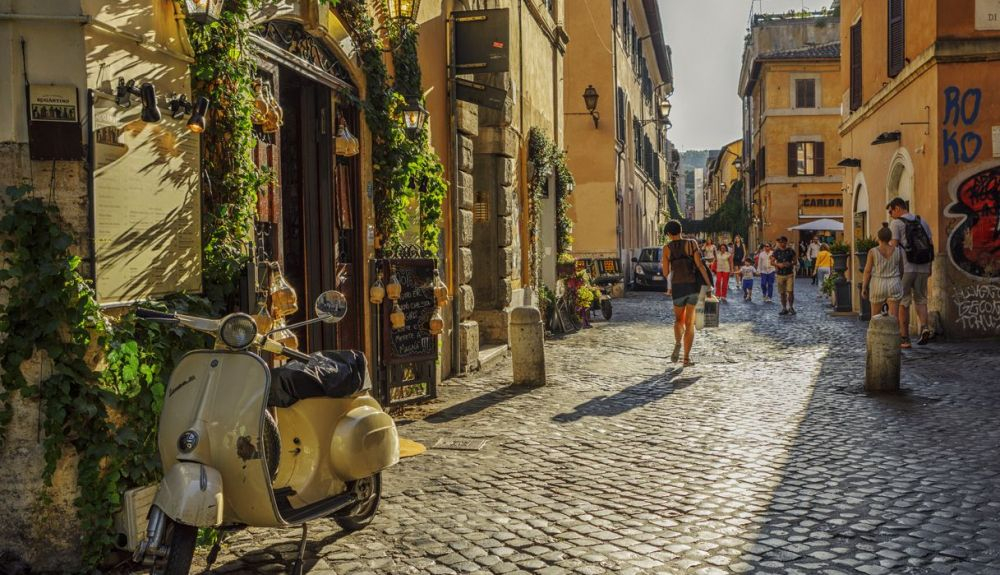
919,122
790,85
618,161
727,169
485,153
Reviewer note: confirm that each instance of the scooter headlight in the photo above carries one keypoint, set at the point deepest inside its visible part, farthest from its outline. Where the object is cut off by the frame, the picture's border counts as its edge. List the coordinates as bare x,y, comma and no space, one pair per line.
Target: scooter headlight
238,331
187,441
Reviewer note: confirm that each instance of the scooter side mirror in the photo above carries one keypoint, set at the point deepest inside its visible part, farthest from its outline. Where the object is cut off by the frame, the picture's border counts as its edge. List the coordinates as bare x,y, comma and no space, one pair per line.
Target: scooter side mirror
331,306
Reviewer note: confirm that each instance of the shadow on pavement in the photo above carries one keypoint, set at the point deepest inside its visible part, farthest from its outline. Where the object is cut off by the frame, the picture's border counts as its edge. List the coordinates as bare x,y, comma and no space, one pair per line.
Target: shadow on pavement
477,404
888,483
647,391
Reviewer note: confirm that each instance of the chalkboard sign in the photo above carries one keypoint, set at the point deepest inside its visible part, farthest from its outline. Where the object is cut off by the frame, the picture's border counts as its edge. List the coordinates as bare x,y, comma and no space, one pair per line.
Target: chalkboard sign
412,342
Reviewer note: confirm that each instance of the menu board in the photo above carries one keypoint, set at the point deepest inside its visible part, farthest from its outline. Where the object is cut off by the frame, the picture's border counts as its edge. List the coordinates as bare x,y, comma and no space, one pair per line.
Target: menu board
146,204
413,341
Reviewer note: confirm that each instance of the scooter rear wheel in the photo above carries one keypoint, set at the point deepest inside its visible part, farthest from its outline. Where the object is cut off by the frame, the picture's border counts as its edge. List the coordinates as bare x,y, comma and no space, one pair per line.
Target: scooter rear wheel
181,539
361,513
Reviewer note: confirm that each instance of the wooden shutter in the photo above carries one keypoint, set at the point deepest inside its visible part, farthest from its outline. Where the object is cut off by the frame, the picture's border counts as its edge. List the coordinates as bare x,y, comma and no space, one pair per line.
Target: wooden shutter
793,159
856,66
762,165
819,162
897,37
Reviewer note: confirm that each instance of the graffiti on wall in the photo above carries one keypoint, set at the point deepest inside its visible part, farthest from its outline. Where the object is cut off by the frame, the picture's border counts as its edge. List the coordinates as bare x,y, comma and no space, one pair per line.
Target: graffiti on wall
974,244
961,109
978,307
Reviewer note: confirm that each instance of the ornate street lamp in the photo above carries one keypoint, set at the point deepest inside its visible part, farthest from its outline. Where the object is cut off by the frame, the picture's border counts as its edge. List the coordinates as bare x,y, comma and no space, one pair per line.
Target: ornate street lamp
203,11
590,100
403,9
414,116
665,108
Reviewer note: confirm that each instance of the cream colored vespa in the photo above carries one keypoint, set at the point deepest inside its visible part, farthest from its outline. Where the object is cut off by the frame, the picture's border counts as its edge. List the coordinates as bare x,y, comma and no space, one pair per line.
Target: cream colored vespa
231,458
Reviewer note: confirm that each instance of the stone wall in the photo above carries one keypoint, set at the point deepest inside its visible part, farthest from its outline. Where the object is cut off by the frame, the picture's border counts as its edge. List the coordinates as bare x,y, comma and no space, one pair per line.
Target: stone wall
467,117
45,536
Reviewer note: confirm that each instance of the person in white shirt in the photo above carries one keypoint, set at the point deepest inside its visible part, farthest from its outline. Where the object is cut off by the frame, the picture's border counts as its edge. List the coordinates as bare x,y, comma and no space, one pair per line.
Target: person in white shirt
811,253
767,273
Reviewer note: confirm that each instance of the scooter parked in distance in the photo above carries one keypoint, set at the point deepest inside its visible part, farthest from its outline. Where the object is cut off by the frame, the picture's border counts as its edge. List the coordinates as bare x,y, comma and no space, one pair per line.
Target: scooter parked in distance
245,445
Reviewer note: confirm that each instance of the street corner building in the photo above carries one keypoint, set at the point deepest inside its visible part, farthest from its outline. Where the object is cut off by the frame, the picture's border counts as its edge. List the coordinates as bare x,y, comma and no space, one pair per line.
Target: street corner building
507,61
918,123
790,87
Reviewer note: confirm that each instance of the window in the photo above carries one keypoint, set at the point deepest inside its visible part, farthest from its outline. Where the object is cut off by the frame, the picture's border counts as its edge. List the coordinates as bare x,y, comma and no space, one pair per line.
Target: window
856,66
620,117
897,37
805,93
805,159
614,15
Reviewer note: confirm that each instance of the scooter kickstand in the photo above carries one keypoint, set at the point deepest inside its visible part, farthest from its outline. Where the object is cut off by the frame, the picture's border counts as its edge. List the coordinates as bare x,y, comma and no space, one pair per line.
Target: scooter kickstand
298,566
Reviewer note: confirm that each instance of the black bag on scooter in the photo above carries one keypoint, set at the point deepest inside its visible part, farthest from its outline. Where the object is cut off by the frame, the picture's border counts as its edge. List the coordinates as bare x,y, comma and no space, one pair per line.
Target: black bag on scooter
328,374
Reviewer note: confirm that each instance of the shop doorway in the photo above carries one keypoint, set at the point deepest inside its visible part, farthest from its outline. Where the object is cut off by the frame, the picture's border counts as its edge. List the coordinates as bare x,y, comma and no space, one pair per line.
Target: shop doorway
318,211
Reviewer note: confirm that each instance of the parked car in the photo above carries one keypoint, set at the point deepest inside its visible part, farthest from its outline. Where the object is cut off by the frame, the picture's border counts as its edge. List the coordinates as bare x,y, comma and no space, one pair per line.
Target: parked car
648,272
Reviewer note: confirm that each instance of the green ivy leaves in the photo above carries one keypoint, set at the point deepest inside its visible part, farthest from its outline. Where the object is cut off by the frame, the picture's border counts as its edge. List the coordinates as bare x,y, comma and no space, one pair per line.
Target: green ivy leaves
547,159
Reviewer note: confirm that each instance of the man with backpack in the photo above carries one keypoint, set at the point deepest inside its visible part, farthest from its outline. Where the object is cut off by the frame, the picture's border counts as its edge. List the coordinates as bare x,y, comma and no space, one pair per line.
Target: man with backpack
914,235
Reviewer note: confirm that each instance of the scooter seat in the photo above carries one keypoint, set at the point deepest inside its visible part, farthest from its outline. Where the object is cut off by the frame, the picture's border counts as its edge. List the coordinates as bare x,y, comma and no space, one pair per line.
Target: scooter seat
327,374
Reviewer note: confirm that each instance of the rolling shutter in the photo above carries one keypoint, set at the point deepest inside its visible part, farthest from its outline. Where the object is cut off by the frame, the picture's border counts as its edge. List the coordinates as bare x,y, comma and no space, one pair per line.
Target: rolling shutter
856,66
897,37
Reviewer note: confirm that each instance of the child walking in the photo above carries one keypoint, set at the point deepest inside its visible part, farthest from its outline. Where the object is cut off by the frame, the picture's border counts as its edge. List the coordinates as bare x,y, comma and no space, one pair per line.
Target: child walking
747,272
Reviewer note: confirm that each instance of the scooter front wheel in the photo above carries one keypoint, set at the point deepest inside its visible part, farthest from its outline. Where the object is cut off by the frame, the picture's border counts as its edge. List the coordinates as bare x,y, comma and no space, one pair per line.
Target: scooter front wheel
359,515
181,541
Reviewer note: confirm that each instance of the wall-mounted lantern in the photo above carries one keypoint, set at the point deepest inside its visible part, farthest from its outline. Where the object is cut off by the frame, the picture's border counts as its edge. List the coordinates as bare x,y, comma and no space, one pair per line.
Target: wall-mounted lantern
665,108
403,9
203,11
590,97
414,116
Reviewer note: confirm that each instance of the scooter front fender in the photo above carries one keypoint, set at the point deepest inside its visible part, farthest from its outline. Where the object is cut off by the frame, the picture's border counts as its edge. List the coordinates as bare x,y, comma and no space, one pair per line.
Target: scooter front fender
191,493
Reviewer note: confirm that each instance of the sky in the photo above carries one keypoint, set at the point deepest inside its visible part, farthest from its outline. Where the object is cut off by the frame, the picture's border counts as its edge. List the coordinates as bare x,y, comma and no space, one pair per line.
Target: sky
706,38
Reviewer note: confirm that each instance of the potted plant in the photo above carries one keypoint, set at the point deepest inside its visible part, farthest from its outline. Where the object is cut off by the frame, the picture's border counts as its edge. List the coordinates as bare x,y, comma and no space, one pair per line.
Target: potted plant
861,248
841,252
565,265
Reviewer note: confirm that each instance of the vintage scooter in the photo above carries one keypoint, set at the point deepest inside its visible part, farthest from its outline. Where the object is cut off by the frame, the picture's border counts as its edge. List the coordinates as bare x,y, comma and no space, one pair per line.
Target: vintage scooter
245,445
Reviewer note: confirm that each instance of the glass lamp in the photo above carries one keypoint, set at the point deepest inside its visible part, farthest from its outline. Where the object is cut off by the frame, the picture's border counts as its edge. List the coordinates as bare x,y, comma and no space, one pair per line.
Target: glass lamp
203,11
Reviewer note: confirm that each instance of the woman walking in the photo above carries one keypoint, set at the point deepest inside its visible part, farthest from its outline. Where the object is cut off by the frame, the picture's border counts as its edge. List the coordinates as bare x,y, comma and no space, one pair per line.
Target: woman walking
884,269
824,264
682,258
723,267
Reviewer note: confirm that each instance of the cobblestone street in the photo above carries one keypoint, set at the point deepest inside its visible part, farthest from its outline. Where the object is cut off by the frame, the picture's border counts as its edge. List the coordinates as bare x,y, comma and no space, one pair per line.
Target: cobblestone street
764,457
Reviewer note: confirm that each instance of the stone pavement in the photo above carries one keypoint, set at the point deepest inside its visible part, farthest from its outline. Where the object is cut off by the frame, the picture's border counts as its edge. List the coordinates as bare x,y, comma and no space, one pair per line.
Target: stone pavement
764,457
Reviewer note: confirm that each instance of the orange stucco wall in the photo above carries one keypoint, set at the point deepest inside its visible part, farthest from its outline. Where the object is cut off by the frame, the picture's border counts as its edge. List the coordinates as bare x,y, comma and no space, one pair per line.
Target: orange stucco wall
951,84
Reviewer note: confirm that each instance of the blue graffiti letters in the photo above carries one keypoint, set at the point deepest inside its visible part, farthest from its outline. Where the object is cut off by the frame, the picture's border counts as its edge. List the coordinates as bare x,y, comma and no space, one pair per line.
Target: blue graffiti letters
961,108
963,151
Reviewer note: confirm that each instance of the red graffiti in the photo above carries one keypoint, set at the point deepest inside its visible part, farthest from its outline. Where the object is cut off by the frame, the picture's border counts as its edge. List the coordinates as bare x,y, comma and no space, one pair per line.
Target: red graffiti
974,245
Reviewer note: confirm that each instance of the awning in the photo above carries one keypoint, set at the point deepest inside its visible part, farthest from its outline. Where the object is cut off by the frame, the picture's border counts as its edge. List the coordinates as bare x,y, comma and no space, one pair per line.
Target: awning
825,224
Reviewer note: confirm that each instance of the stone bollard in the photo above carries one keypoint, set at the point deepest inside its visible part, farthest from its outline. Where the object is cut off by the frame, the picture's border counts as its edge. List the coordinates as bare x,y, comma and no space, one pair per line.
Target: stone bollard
883,359
527,346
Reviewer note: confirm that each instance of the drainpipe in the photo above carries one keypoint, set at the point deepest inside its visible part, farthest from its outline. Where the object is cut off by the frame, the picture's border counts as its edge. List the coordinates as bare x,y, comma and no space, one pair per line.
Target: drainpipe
456,202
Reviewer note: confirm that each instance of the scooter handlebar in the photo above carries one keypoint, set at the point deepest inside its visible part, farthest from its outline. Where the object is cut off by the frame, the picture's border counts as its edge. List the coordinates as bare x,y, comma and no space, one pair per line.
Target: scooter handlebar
152,314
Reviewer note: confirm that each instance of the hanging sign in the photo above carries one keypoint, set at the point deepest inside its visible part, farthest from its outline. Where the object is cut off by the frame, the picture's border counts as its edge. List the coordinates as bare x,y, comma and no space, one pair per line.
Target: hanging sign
54,123
482,41
480,94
